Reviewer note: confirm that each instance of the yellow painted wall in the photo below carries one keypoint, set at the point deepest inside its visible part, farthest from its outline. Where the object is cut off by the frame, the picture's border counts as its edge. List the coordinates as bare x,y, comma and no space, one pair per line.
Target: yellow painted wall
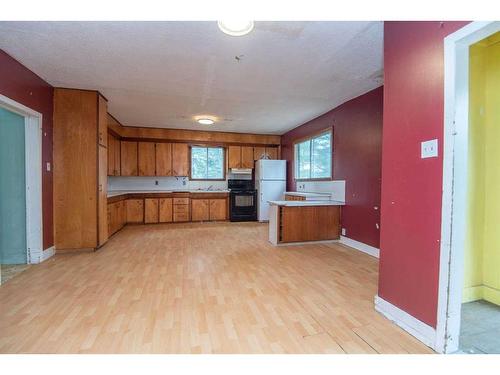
482,247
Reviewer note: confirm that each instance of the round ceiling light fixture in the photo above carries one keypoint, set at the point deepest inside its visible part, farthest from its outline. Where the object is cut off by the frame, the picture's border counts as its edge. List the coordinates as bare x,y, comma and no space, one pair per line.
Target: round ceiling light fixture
235,28
205,121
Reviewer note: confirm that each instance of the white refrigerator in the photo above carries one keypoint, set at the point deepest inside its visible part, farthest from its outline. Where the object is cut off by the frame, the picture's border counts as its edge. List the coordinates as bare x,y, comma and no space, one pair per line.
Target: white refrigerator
270,178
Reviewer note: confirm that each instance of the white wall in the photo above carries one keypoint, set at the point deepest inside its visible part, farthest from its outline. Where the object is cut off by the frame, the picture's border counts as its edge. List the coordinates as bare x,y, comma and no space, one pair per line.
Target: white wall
335,188
166,183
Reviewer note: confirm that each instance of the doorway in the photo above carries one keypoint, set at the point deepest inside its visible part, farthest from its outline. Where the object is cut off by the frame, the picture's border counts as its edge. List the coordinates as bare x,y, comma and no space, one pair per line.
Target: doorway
463,205
20,188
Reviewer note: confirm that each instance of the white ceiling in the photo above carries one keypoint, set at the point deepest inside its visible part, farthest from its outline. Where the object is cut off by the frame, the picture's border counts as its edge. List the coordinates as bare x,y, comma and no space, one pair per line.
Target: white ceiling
161,74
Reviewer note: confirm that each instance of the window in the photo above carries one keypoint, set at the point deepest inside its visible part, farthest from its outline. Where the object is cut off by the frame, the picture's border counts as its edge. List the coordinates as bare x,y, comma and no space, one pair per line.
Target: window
313,157
207,163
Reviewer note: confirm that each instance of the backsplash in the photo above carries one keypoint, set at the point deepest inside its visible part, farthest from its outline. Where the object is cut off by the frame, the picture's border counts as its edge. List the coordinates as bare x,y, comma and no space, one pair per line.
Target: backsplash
335,188
167,183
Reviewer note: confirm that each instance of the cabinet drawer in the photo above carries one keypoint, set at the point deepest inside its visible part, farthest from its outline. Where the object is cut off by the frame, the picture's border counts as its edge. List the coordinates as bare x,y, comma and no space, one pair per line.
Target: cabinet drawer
181,216
181,201
181,208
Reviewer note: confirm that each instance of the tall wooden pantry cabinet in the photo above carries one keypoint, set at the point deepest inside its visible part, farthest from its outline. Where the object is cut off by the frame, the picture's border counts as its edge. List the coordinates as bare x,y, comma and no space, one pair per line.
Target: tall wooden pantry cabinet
80,169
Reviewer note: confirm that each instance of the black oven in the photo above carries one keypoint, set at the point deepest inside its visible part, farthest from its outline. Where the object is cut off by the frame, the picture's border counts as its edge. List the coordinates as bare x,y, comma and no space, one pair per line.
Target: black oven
243,200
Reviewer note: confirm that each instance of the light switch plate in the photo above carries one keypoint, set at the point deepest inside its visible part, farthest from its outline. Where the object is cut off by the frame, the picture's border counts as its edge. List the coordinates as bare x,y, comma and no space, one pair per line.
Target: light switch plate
344,231
429,149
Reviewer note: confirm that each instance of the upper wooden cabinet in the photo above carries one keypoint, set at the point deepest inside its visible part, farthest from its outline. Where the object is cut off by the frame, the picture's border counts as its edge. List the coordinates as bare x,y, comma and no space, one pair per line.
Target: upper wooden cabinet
272,153
265,153
146,159
128,155
103,122
163,159
180,159
247,157
234,157
113,156
80,168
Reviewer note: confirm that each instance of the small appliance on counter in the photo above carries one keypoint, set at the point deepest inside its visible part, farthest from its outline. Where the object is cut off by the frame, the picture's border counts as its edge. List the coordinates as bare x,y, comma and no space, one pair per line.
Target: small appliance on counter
270,181
242,200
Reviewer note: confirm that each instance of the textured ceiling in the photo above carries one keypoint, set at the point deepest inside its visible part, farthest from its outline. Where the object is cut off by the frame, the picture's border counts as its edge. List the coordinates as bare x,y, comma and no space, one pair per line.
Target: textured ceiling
161,74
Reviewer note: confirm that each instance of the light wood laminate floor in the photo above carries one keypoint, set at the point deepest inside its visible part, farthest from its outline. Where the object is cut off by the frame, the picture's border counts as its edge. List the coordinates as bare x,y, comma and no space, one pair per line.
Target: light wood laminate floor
199,288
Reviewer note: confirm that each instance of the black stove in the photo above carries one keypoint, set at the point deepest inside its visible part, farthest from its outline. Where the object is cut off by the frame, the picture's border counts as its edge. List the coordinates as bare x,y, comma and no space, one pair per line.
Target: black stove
243,200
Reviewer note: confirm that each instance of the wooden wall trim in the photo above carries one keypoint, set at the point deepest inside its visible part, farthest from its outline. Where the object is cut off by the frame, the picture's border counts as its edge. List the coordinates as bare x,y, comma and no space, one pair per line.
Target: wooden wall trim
187,136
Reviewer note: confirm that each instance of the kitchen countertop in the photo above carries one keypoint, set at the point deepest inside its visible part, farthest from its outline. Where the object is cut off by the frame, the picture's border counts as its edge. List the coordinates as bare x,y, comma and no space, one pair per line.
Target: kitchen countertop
306,203
306,194
115,193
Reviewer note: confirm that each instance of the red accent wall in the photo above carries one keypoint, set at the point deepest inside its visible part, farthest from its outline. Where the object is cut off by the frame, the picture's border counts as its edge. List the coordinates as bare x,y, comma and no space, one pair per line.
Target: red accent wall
357,137
22,85
411,186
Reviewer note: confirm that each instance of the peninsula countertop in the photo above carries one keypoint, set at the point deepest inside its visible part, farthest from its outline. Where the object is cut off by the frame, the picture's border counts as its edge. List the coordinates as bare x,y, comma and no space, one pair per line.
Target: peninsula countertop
306,203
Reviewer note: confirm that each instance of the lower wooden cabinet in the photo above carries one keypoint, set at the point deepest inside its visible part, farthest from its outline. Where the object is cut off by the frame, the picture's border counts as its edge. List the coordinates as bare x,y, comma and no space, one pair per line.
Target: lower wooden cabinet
165,210
200,209
117,216
135,210
181,212
151,214
218,209
208,209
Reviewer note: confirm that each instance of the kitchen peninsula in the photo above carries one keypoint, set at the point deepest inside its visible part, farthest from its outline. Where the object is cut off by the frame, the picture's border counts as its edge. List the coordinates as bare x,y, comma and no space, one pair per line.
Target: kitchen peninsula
303,221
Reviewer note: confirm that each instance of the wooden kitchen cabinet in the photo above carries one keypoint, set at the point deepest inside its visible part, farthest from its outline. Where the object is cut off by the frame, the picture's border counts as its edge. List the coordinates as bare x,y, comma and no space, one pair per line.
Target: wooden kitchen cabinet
200,209
146,159
113,156
135,210
181,209
234,157
80,169
246,157
165,210
180,159
151,210
259,153
102,201
163,159
128,156
265,153
218,209
272,153
117,216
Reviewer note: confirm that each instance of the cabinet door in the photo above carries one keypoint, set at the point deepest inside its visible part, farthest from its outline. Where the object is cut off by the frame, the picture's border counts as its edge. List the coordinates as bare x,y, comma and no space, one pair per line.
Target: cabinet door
272,153
102,200
218,209
128,158
147,165
111,155
164,159
199,209
246,157
151,210
135,210
234,157
259,153
165,215
180,159
117,168
102,126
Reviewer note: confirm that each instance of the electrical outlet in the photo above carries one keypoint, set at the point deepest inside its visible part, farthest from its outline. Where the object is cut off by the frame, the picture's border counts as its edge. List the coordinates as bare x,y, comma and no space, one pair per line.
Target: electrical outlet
429,149
344,231
156,182
48,166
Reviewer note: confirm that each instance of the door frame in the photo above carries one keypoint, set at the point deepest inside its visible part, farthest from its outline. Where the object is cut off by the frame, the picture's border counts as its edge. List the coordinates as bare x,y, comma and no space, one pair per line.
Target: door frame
455,173
33,170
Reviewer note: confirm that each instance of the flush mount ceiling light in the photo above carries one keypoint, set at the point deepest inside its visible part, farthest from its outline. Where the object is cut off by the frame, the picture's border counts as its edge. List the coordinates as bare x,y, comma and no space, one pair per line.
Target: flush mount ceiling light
235,28
205,121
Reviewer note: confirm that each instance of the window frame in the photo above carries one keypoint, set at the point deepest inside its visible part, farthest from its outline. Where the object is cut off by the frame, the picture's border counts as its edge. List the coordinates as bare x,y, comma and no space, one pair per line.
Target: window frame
309,138
207,147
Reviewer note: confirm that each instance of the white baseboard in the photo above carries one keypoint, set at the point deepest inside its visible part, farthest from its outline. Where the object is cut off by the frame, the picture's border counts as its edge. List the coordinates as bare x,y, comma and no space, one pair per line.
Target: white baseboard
370,250
410,324
47,253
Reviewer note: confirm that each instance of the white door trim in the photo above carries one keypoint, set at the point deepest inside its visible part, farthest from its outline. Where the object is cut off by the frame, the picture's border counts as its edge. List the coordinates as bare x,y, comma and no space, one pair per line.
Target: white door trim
33,167
455,157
